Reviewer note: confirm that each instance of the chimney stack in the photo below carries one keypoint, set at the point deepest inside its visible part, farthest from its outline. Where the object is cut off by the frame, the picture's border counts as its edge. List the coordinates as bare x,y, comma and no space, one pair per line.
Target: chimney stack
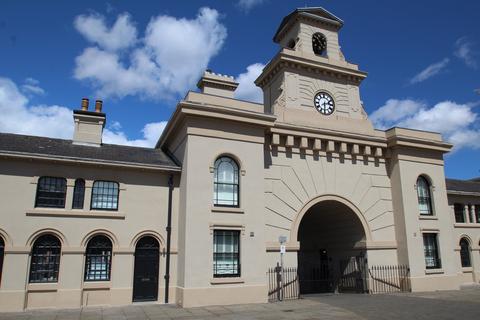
84,104
89,124
217,84
98,105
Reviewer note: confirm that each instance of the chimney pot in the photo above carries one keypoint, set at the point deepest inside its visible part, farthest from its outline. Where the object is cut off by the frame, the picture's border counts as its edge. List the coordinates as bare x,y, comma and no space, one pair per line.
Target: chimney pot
98,106
84,104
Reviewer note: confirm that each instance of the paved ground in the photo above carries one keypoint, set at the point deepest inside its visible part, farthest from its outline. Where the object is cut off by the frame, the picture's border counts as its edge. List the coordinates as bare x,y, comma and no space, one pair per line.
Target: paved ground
464,304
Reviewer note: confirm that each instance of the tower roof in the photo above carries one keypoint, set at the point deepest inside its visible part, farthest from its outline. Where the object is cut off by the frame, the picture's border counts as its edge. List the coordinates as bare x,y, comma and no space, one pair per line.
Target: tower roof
316,13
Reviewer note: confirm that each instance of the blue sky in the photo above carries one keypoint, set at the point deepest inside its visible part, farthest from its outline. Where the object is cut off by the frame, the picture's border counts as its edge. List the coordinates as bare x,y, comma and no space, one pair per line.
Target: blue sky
422,59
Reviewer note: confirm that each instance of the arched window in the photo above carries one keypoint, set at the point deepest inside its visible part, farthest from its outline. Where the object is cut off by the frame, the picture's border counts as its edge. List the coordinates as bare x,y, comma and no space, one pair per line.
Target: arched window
98,259
226,183
78,194
2,250
424,196
465,253
319,44
45,259
105,195
51,192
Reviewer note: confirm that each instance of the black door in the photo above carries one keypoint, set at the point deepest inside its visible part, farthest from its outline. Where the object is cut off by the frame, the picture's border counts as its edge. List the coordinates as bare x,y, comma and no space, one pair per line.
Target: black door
145,278
315,272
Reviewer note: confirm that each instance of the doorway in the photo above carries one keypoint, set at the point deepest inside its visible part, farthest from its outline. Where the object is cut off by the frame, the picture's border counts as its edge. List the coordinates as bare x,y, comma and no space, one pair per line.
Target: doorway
145,278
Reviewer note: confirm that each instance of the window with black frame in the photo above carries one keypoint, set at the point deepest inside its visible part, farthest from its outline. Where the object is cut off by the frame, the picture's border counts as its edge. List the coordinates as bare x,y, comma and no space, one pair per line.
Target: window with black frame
51,192
45,259
98,259
226,253
78,194
424,196
105,195
2,251
465,253
459,210
477,212
226,183
430,248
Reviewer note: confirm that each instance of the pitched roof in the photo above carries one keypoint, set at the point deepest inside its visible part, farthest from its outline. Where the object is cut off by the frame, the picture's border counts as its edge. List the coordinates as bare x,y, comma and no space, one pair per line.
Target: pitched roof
465,186
317,13
14,144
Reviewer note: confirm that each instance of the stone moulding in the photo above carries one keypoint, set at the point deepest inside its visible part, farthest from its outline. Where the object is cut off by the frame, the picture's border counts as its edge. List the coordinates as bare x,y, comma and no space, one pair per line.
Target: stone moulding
327,145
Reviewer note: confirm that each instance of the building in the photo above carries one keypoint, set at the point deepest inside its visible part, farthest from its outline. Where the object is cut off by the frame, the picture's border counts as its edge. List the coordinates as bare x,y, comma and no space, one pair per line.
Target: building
197,219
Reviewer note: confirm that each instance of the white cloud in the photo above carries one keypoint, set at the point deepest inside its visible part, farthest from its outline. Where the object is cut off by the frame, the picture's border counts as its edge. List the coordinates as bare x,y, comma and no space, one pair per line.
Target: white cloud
151,132
122,34
247,90
18,116
166,62
456,122
430,71
249,4
31,86
464,51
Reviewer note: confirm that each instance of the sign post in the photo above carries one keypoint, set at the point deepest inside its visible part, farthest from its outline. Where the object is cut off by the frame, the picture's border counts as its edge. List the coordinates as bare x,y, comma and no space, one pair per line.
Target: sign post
283,249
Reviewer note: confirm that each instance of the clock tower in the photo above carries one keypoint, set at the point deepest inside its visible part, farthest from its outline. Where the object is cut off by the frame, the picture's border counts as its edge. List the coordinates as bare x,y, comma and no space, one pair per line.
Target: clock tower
309,82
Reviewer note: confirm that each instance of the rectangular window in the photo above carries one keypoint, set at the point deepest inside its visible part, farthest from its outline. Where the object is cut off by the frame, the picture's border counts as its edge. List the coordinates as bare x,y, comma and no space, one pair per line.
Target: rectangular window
477,212
226,253
430,247
459,212
51,192
104,195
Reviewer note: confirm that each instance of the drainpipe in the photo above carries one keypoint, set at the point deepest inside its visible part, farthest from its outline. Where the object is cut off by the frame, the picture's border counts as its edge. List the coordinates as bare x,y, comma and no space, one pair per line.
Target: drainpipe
169,234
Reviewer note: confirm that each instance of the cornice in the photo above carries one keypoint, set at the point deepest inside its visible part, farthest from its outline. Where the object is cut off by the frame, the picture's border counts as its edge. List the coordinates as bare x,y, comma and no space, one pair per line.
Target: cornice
84,161
186,108
284,60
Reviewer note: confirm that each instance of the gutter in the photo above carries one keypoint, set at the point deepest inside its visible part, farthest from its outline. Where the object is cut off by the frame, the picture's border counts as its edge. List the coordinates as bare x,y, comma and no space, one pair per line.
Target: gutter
169,235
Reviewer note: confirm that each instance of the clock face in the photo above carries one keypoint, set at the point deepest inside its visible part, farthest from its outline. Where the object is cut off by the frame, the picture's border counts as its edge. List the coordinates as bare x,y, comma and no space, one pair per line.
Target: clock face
324,103
319,43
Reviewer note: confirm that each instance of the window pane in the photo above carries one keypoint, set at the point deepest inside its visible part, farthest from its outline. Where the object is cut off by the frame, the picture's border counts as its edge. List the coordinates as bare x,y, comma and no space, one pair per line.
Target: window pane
424,197
51,192
459,212
78,194
226,185
465,253
98,259
430,247
105,195
45,259
226,253
2,250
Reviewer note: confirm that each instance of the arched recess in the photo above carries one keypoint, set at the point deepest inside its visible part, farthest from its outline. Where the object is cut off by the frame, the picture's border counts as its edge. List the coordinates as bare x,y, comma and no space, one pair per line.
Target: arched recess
6,238
329,197
145,233
58,234
97,232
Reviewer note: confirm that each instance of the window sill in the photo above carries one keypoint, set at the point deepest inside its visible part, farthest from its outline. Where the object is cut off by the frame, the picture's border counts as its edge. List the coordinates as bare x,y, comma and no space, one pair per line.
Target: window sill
97,285
226,280
434,271
466,225
75,213
467,269
227,210
42,287
425,217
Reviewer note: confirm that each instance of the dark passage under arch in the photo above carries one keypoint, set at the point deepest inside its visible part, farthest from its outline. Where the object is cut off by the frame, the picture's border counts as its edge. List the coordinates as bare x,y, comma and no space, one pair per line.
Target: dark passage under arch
331,256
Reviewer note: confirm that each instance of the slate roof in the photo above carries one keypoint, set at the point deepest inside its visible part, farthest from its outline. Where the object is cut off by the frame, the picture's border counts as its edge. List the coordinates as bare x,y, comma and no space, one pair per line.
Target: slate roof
317,12
65,149
471,186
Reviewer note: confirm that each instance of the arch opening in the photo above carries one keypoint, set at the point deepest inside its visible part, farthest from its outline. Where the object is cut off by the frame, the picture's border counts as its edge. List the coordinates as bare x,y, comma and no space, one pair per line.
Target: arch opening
332,255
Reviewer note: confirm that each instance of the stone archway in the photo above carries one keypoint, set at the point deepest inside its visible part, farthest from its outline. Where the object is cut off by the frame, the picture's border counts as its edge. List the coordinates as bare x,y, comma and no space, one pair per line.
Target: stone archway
332,255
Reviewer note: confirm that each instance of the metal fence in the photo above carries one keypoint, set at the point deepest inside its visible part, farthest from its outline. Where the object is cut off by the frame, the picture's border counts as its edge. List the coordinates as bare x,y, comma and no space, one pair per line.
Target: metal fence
378,279
385,279
288,290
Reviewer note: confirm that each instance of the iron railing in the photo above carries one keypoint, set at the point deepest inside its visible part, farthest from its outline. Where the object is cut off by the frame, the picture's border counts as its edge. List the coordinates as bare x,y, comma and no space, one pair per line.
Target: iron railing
288,290
386,279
